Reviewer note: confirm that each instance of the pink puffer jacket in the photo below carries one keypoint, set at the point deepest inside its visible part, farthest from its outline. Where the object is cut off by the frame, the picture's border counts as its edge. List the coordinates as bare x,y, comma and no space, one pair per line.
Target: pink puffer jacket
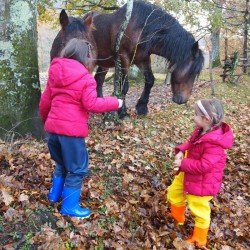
205,161
69,97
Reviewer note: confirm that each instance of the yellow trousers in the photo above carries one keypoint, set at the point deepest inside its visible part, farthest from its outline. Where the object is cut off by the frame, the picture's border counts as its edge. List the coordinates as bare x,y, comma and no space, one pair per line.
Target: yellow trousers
198,205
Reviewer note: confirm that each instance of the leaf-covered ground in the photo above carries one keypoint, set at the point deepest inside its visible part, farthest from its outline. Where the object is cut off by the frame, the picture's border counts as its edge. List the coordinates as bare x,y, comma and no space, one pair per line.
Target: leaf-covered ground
129,173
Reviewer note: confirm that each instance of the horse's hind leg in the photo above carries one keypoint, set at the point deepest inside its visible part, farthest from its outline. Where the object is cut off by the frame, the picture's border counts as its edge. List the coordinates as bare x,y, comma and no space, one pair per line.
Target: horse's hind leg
141,106
100,77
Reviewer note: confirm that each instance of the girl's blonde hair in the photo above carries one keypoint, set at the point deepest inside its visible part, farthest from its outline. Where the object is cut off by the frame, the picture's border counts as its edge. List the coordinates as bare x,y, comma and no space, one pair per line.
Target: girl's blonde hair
214,109
81,51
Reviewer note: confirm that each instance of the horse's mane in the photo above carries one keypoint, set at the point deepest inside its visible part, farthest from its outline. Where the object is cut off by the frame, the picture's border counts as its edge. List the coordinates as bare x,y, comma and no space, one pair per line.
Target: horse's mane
162,29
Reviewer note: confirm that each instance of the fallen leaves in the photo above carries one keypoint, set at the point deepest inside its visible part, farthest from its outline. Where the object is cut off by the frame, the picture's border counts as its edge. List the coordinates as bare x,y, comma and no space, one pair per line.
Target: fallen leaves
129,173
180,244
6,196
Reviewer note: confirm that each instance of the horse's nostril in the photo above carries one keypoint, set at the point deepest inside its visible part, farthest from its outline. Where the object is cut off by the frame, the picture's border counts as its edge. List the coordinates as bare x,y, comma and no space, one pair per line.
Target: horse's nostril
178,99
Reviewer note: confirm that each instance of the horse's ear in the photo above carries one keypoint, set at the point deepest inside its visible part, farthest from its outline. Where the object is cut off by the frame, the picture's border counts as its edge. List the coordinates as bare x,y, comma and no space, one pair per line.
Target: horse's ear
195,49
88,20
87,15
64,19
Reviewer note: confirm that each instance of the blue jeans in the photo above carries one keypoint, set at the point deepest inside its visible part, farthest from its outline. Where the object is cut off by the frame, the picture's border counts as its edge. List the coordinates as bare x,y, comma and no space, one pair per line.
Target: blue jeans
71,157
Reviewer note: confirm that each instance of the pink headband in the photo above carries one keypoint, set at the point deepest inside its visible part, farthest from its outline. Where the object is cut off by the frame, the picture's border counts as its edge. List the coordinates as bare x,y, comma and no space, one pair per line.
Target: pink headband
203,110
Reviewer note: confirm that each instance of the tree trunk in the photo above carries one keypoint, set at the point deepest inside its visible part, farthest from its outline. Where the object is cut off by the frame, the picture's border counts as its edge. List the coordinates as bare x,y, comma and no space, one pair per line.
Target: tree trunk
19,76
245,49
216,48
226,57
211,74
118,71
215,36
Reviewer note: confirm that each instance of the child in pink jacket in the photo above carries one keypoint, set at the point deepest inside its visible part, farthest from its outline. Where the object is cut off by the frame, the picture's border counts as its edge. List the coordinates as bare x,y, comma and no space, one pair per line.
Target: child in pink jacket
201,162
69,97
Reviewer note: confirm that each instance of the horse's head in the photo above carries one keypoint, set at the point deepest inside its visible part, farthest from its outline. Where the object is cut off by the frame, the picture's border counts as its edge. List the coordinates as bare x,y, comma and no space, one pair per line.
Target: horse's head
184,75
72,27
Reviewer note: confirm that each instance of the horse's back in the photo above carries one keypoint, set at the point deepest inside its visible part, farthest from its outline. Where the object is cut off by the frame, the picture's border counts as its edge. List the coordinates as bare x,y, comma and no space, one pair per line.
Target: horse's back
106,28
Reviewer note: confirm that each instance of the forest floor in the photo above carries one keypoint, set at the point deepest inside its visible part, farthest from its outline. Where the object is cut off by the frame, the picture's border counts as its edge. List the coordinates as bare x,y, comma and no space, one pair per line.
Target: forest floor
129,172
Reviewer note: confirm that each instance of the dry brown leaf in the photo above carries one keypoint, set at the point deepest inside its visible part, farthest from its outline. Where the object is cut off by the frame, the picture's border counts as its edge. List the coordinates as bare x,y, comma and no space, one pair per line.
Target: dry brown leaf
23,197
6,196
10,214
180,244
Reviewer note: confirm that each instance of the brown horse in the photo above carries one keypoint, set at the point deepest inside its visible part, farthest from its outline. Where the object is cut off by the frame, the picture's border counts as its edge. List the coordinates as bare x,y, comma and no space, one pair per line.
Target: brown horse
150,31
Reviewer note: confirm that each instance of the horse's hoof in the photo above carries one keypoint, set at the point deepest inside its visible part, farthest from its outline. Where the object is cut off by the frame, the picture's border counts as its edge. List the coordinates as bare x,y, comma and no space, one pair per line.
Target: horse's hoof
122,115
122,112
141,110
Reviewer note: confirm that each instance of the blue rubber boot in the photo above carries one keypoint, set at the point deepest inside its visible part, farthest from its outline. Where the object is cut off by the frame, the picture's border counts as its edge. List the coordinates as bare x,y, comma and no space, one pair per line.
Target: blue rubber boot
55,192
70,204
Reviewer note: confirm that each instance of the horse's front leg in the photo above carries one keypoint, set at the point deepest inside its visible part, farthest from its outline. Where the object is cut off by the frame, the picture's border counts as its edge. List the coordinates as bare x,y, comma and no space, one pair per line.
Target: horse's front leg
141,106
100,77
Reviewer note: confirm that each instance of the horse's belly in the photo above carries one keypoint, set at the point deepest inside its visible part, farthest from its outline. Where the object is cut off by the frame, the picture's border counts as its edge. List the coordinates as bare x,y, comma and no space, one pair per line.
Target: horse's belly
105,61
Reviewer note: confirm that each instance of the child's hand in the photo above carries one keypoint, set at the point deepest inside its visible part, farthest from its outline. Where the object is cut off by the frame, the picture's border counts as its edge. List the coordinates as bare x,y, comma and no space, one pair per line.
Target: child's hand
179,156
120,101
177,163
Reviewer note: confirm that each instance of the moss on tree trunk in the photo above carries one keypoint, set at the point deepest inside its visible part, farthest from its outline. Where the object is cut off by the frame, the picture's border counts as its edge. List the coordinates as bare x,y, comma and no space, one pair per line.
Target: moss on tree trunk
216,61
216,48
19,76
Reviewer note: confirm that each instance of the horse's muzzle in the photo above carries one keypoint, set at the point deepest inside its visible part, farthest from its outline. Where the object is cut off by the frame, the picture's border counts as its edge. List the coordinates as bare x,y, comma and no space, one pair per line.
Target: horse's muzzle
178,99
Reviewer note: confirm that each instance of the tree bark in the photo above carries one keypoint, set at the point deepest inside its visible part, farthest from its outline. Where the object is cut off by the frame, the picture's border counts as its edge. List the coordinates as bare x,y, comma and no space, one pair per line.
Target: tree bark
19,76
211,74
245,39
118,70
226,56
215,37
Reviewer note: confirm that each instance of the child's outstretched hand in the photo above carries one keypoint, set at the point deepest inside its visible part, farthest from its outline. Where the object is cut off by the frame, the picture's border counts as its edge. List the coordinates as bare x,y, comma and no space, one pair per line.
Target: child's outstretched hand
120,101
177,163
179,156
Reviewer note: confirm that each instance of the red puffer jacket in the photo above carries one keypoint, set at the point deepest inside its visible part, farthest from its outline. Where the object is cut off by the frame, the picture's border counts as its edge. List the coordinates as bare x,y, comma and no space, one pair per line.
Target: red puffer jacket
205,161
69,97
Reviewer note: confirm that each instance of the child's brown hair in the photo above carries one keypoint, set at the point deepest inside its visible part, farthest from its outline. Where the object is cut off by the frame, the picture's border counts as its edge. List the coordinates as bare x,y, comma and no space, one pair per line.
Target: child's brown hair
214,109
80,50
